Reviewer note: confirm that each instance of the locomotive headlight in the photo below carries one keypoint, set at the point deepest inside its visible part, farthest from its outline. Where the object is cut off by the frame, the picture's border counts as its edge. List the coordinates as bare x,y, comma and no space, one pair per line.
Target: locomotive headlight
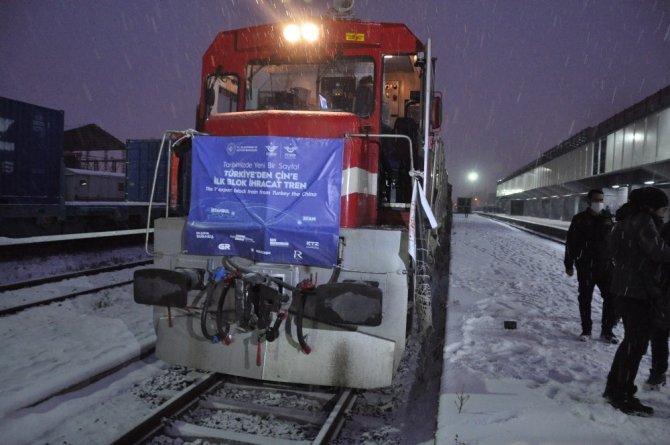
310,32
292,33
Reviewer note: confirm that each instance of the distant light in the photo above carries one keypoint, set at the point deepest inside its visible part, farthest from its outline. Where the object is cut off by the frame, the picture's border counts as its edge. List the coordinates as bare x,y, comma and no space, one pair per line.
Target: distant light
616,186
649,182
310,32
473,176
292,33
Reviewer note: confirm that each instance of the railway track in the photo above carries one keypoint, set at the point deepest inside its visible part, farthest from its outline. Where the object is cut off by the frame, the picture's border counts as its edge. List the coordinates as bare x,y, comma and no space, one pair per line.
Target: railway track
56,278
227,410
65,276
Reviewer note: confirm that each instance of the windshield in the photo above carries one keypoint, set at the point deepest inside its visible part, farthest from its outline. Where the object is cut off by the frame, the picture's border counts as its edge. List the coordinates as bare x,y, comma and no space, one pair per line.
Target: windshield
345,85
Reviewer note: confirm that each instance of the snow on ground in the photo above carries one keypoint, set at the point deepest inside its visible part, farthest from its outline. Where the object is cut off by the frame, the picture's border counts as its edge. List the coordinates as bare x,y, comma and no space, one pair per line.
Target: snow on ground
533,385
51,347
536,384
27,268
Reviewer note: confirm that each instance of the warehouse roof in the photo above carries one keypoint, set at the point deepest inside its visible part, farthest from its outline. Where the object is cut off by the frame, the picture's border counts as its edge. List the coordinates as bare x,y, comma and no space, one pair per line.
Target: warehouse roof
90,137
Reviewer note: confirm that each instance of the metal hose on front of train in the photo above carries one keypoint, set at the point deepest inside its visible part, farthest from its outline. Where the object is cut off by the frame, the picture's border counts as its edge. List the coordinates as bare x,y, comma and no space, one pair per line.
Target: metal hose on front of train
213,289
303,289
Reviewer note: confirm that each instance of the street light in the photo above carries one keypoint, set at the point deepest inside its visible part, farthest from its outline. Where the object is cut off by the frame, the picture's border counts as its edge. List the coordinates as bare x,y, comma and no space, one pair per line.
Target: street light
472,178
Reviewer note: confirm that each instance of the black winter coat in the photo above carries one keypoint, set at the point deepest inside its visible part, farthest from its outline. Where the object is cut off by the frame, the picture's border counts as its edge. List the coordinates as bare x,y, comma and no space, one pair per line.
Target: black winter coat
639,252
587,242
661,305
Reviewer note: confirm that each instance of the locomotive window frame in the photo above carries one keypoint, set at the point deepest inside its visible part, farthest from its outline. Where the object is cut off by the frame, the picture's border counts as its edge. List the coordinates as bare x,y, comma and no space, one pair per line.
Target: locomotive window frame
222,93
282,89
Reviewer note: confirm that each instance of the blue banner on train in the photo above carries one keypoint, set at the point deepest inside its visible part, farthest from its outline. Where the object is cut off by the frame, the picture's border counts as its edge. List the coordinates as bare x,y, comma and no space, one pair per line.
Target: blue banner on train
266,198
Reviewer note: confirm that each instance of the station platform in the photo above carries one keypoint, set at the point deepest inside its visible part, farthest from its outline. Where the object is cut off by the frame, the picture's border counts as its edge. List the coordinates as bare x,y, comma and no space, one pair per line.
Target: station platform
531,219
535,383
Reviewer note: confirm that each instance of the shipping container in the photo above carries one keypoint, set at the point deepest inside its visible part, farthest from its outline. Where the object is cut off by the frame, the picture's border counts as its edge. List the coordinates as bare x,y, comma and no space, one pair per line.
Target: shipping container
141,158
93,185
31,151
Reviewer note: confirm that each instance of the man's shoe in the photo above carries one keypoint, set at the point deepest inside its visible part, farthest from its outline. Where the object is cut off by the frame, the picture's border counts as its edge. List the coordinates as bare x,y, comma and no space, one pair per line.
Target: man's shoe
585,336
609,337
632,407
655,381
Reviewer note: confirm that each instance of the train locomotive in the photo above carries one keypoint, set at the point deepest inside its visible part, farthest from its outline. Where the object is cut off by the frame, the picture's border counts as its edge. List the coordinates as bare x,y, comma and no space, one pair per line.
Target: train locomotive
302,206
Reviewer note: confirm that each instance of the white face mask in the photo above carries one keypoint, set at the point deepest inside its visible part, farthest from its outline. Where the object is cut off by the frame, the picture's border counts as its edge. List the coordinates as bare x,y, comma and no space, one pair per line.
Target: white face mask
597,206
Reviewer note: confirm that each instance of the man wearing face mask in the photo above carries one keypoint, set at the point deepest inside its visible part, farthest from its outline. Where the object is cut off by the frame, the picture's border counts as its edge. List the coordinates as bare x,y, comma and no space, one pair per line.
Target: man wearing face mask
587,248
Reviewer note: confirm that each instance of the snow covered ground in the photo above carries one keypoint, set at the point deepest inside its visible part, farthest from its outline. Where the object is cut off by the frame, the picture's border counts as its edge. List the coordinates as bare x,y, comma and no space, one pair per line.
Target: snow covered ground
27,268
533,385
536,384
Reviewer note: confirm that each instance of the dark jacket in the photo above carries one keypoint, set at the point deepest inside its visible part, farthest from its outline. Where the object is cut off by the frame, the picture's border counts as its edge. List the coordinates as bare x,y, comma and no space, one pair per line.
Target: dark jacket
638,252
661,305
587,242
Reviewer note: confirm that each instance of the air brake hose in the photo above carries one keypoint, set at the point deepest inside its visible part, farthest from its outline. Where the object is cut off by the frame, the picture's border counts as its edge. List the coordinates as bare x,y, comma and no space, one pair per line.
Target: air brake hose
222,332
304,288
203,314
213,286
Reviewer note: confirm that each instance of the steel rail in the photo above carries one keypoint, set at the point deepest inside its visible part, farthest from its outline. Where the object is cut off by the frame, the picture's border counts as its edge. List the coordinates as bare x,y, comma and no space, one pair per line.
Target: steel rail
144,353
23,307
176,405
54,278
158,422
335,420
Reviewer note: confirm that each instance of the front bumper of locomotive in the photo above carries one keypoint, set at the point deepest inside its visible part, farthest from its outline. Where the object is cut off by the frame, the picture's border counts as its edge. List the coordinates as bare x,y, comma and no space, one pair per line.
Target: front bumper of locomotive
355,328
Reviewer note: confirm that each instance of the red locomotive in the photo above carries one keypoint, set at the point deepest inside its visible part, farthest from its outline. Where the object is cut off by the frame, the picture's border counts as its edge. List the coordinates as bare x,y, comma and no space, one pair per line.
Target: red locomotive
297,205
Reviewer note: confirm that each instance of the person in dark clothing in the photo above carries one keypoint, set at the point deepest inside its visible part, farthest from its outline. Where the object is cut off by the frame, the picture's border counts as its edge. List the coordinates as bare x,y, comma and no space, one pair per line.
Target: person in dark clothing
365,97
659,357
661,331
636,282
587,247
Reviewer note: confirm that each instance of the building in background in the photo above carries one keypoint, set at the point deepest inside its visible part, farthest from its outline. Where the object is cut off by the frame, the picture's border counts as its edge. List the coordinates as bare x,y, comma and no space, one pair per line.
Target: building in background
92,148
629,150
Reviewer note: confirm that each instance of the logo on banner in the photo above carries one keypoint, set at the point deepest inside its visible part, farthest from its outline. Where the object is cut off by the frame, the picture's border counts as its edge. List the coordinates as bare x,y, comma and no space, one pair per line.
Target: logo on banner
271,149
275,243
312,244
290,151
242,239
224,246
233,148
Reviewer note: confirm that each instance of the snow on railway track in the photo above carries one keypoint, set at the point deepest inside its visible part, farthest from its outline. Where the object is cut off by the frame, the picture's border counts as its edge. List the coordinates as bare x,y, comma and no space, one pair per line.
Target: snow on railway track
241,411
63,287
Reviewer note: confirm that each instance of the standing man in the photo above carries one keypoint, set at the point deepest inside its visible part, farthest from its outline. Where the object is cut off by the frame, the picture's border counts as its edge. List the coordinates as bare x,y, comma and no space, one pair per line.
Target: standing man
587,247
661,325
639,253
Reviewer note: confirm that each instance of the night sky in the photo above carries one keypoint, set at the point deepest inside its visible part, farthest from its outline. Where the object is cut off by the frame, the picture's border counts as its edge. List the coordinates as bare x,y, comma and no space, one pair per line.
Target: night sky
518,76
